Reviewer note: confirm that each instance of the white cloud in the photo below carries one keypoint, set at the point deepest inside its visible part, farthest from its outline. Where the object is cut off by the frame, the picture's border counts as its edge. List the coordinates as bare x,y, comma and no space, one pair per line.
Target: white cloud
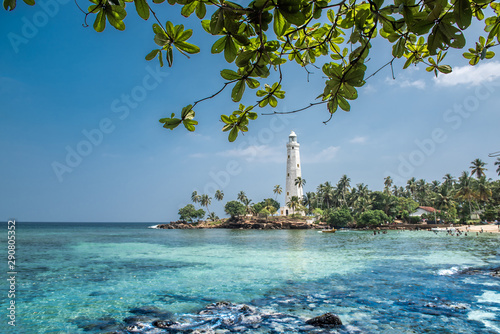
256,153
358,140
325,155
470,75
406,83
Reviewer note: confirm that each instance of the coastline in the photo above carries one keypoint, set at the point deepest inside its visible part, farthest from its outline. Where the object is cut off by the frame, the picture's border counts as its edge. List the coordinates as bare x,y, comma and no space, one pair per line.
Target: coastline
282,223
249,223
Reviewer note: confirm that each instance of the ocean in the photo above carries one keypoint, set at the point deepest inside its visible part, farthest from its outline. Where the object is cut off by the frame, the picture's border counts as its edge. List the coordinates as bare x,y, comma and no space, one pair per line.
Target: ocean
121,277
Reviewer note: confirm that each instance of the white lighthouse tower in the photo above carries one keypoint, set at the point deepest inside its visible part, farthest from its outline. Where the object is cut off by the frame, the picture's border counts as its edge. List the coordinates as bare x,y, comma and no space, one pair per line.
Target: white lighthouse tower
293,171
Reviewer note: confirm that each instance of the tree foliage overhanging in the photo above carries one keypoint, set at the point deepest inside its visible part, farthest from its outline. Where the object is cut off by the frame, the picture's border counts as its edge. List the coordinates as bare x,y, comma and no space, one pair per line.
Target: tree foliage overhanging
264,35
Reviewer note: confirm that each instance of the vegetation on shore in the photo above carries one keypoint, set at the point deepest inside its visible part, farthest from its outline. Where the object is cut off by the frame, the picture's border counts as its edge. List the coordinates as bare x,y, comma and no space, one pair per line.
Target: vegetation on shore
344,205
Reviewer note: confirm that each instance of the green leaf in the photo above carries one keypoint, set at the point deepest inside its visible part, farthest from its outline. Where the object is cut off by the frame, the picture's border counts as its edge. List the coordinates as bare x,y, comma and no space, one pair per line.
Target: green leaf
185,35
238,90
280,24
217,22
463,13
187,112
171,123
9,4
230,50
201,10
170,57
444,69
272,101
252,83
343,104
244,58
114,20
152,54
187,47
398,49
233,134
100,21
189,124
229,75
29,2
252,115
225,119
188,9
219,45
142,8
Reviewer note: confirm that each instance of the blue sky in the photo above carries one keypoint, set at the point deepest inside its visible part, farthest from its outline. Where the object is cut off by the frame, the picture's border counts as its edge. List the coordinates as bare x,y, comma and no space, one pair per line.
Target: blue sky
62,83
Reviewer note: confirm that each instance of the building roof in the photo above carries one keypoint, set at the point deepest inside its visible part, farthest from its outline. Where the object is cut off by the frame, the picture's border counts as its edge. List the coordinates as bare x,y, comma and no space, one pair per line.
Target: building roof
292,134
428,208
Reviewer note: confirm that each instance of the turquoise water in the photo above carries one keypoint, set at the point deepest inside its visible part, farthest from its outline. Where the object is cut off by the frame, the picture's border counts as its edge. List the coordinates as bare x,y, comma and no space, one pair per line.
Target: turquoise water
73,275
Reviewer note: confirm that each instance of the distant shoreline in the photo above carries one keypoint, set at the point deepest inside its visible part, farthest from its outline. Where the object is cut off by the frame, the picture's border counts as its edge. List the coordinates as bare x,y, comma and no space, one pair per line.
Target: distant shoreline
283,223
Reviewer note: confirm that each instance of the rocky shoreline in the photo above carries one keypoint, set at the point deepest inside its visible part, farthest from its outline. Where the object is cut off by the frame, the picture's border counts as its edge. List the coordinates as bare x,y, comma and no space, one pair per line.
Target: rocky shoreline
248,224
220,317
280,223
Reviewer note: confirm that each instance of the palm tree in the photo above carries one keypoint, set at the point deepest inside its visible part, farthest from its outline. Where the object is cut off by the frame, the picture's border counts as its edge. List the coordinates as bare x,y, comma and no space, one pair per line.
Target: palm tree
483,189
343,186
241,196
325,193
277,191
443,199
465,189
195,197
294,203
212,216
449,181
205,201
387,184
246,201
477,167
219,195
308,200
300,182
411,186
497,163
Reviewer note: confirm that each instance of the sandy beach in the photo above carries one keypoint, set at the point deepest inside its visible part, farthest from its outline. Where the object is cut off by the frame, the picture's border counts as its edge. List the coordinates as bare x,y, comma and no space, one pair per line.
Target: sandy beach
477,228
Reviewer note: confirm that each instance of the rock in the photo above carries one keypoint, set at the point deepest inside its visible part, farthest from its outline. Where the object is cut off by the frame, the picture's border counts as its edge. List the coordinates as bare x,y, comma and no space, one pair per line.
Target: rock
101,324
250,319
136,328
139,318
164,323
151,311
325,320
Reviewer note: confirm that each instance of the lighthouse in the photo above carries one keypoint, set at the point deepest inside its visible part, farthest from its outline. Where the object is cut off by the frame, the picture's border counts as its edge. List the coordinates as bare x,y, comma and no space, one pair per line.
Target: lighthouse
293,171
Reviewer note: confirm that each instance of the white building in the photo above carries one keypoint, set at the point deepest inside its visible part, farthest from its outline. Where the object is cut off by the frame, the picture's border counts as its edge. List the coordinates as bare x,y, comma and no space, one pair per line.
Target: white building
293,171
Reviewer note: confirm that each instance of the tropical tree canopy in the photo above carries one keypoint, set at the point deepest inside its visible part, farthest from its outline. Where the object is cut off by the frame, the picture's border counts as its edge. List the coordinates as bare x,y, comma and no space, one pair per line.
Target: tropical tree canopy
258,38
189,213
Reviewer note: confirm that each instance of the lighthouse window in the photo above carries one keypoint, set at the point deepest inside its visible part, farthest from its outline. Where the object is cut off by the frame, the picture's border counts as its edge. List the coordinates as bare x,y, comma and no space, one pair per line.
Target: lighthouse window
287,193
297,165
288,157
288,174
292,147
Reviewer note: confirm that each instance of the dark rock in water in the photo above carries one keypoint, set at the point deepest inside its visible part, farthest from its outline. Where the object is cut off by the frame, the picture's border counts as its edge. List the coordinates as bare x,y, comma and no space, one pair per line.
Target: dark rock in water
495,272
151,311
164,323
139,318
325,320
101,324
